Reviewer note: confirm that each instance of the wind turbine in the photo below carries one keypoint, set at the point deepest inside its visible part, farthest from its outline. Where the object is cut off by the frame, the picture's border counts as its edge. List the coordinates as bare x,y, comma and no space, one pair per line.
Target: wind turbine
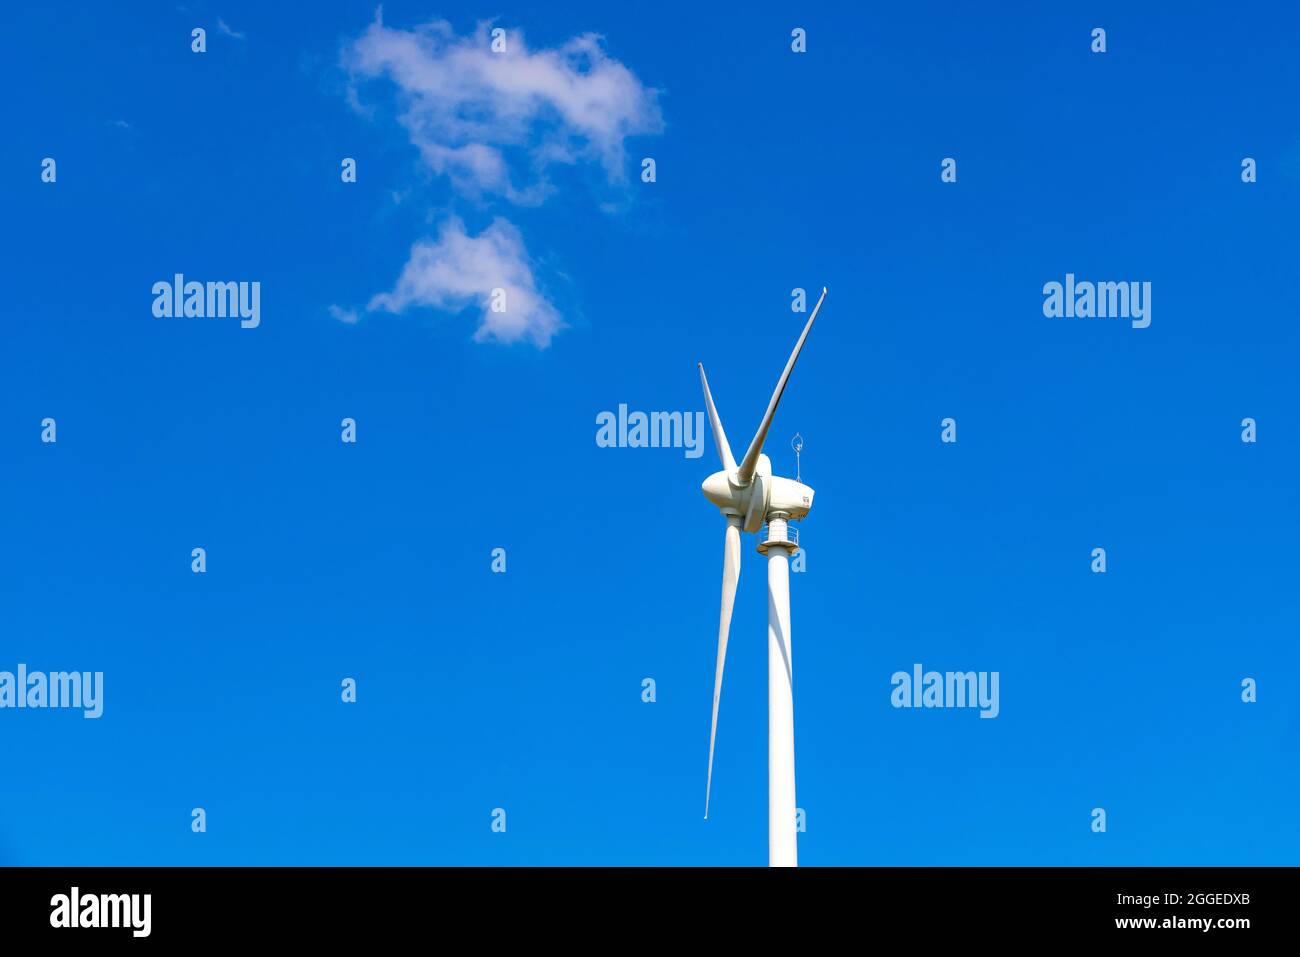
750,496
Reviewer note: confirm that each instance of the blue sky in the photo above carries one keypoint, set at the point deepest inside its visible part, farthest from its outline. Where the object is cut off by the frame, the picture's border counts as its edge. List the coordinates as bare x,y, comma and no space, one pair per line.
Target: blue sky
523,690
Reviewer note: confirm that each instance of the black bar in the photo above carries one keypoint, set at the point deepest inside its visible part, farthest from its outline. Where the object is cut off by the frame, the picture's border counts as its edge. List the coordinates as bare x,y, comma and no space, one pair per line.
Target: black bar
333,906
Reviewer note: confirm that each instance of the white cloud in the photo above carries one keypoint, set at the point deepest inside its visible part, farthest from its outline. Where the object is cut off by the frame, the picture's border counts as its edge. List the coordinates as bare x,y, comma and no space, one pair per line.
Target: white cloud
493,124
470,111
458,271
221,25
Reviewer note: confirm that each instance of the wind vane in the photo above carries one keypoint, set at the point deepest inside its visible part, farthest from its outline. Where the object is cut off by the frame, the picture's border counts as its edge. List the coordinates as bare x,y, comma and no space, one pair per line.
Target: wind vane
797,444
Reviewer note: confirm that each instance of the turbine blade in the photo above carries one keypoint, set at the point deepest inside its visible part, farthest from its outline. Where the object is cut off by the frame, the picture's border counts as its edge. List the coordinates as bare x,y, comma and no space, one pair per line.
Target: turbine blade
719,436
730,578
750,462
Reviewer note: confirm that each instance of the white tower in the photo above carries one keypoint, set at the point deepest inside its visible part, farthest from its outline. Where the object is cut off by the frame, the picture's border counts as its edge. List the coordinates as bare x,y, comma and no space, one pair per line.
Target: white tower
782,835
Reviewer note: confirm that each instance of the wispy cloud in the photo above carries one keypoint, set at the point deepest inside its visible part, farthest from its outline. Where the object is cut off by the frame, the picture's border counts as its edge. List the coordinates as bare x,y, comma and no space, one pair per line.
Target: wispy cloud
472,112
458,271
349,316
224,28
120,124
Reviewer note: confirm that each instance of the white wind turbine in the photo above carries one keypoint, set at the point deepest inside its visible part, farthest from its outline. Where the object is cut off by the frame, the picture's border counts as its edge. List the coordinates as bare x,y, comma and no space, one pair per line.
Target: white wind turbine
750,496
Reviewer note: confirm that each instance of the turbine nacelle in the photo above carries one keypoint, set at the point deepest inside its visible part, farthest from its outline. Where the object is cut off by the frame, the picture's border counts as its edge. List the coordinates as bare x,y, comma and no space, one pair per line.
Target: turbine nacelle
768,493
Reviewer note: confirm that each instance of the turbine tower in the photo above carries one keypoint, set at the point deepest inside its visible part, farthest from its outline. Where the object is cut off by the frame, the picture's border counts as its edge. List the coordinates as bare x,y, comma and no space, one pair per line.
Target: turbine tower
750,498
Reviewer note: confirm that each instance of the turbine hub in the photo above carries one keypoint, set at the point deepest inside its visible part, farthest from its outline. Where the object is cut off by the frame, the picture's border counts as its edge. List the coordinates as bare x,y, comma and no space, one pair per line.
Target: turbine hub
719,490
